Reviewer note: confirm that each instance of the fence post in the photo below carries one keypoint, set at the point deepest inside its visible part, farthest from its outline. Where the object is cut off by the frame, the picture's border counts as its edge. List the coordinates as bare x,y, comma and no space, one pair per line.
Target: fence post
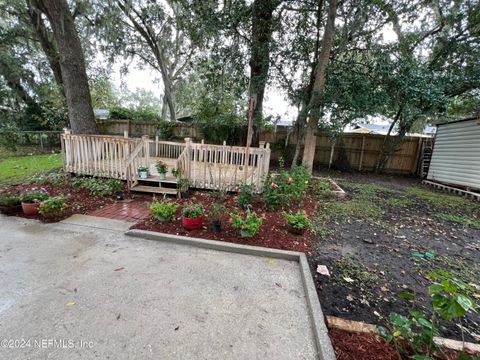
125,134
361,154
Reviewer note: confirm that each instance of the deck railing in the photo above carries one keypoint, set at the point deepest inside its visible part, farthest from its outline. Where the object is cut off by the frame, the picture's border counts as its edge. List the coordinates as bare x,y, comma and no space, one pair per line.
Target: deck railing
206,166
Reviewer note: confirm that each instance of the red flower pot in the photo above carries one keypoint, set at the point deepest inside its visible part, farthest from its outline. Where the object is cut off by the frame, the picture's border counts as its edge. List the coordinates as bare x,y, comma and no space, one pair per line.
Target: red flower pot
30,208
192,223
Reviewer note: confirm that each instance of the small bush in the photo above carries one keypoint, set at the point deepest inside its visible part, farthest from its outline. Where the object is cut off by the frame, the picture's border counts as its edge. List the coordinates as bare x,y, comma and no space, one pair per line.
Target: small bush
193,211
53,178
166,129
298,221
163,210
53,207
98,187
9,200
123,113
216,211
245,196
249,225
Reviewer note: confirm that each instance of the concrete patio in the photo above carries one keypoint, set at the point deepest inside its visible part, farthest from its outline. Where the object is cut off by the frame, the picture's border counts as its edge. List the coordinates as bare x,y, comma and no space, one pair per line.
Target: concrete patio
73,291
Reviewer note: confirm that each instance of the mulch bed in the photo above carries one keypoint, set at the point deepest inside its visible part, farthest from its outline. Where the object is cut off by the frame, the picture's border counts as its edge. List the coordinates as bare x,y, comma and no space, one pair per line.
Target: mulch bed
80,201
370,346
273,233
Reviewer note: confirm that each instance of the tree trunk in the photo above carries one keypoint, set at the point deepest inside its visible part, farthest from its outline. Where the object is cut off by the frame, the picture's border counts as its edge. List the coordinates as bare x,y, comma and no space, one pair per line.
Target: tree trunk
319,87
72,64
262,21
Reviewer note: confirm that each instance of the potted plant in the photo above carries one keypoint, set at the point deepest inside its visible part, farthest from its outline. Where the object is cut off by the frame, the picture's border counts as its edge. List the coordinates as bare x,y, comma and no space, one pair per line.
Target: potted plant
53,207
183,188
216,211
192,218
143,172
162,169
163,210
298,222
32,200
249,225
10,204
176,174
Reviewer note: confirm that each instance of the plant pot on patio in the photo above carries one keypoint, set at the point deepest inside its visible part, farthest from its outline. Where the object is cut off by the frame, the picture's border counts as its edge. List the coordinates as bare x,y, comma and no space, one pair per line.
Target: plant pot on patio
143,172
30,209
31,202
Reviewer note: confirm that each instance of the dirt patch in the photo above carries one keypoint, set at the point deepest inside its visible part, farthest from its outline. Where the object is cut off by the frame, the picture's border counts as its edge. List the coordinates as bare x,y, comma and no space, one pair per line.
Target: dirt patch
384,240
273,233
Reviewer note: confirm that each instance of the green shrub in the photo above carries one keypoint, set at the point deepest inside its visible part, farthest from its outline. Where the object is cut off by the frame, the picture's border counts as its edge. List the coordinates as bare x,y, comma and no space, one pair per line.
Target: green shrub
98,187
249,225
9,200
123,113
53,207
245,196
413,334
298,221
166,129
35,196
163,210
53,178
193,211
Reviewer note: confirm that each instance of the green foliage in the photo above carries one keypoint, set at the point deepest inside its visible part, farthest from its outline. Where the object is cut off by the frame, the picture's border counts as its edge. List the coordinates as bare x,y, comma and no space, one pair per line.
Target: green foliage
166,129
183,185
466,221
54,206
9,135
216,211
298,221
163,210
35,196
399,202
143,169
281,189
98,186
219,122
245,196
161,167
122,113
9,200
192,210
413,334
52,178
248,225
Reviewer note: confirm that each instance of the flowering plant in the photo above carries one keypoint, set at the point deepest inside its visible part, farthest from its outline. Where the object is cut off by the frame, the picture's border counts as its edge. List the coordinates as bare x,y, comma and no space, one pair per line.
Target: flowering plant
249,225
163,210
35,196
161,167
193,211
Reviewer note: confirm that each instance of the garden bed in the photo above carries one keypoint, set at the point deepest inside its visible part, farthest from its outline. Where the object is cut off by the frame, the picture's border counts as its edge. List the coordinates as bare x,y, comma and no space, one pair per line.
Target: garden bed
274,232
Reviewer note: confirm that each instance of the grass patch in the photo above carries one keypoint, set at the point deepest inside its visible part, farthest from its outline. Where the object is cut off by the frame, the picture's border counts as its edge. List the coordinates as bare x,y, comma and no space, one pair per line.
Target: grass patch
400,202
462,220
359,190
350,267
439,199
18,168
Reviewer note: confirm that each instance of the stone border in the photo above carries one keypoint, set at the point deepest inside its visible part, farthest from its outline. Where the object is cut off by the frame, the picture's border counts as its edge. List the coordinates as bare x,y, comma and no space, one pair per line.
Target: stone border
324,346
361,327
337,190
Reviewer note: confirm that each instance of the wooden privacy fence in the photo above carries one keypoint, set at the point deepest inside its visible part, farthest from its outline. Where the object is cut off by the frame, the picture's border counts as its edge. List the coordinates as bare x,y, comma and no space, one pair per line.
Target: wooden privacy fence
206,166
361,151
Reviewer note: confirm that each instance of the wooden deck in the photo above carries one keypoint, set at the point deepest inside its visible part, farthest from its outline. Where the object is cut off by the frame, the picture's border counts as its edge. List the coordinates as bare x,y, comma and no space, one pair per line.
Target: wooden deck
206,166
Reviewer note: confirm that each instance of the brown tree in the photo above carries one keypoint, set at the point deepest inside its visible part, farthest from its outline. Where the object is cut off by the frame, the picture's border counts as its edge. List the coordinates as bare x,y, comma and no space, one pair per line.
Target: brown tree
319,87
72,64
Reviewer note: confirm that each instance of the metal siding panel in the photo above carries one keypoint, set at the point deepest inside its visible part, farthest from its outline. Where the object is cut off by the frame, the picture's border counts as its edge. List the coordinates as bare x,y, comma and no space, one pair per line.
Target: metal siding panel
456,155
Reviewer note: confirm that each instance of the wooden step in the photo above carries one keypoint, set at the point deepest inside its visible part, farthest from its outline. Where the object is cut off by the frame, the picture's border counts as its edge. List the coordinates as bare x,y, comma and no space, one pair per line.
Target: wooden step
156,178
154,189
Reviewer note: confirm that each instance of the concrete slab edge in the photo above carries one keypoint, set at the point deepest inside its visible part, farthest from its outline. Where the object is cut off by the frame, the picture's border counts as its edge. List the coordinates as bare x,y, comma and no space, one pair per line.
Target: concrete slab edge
361,327
322,340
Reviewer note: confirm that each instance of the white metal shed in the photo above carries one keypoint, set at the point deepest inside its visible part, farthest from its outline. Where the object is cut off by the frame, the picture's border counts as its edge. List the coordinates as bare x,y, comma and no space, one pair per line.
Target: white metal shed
456,154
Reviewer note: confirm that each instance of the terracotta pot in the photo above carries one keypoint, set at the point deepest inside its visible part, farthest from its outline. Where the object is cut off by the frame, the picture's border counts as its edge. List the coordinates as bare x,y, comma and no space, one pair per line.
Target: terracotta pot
30,208
192,223
7,210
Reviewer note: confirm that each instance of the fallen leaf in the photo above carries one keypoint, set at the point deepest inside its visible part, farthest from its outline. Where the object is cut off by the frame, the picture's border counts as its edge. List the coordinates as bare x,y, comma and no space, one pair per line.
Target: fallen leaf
350,298
377,314
118,316
279,285
70,303
178,327
270,262
323,270
348,279
384,289
119,269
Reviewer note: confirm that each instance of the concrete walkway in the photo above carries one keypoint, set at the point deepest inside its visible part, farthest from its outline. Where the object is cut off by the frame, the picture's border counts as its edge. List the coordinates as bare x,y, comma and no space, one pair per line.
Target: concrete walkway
72,291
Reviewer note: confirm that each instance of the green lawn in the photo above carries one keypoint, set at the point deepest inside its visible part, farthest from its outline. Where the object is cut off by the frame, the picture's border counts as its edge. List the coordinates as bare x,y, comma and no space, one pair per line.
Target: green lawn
18,168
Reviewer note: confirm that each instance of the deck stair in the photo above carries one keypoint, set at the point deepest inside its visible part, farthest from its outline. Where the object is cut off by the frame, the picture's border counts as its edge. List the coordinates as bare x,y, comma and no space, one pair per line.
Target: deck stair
153,184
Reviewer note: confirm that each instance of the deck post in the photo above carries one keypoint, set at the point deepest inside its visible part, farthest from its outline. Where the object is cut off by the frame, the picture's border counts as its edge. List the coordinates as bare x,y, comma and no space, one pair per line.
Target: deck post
125,134
188,147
